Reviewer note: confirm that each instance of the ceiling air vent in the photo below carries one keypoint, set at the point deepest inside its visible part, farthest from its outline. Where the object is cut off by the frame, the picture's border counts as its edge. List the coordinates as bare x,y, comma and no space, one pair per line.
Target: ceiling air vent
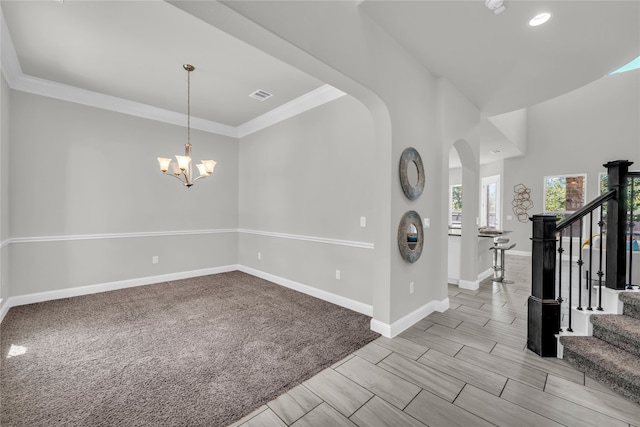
261,95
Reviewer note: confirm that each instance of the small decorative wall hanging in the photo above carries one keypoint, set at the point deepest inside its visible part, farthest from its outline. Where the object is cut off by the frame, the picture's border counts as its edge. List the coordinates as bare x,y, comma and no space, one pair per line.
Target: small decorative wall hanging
411,173
521,202
410,236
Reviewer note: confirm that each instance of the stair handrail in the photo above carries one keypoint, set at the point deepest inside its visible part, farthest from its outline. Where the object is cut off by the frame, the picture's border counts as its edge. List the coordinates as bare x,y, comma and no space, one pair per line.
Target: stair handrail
586,209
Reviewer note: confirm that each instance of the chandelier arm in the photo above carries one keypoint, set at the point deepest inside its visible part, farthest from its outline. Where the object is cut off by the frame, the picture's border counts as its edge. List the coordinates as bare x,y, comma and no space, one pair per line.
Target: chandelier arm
201,176
178,177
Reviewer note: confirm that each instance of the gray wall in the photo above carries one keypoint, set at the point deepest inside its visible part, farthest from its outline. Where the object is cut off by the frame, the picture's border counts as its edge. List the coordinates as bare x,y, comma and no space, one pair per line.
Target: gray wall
5,97
88,204
575,133
356,56
311,176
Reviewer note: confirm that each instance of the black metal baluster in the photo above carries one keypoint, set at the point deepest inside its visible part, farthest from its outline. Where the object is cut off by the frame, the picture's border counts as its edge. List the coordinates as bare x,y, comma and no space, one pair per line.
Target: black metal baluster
560,251
570,329
580,262
600,273
631,225
589,272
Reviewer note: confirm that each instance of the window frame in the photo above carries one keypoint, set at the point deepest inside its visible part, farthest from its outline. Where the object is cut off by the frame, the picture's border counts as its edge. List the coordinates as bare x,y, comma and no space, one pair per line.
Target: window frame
484,183
451,211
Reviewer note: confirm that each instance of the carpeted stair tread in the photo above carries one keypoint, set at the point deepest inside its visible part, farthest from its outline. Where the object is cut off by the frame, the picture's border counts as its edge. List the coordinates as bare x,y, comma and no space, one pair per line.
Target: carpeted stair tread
631,302
613,366
619,330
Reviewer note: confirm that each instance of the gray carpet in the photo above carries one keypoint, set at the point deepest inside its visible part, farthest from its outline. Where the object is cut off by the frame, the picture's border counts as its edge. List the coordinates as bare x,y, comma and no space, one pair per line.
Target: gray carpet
611,354
195,352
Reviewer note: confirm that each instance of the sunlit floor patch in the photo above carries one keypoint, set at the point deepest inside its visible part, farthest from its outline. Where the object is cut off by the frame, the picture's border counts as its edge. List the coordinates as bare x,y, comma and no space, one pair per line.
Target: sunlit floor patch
16,350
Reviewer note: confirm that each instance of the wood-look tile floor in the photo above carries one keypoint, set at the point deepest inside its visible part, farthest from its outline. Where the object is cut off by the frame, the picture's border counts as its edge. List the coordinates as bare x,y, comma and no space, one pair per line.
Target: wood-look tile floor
468,366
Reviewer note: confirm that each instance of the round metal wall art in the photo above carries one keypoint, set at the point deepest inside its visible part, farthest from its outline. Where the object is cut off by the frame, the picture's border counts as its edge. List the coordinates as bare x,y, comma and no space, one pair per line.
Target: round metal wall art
411,158
410,236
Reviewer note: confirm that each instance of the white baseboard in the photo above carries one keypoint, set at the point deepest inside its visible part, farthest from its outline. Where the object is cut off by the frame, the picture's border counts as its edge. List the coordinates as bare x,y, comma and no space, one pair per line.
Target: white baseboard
400,325
104,287
354,305
112,286
4,307
487,273
387,330
468,284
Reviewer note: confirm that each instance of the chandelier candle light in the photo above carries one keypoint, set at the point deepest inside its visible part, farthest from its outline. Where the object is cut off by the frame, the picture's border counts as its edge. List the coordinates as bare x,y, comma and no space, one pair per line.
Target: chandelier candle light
182,170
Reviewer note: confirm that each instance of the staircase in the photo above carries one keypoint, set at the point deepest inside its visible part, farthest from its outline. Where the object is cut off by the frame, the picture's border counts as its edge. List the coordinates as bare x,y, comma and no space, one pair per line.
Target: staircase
612,354
585,302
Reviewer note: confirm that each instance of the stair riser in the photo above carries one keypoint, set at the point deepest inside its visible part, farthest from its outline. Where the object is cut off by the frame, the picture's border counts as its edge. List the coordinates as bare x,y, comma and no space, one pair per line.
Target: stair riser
630,301
631,310
630,344
601,373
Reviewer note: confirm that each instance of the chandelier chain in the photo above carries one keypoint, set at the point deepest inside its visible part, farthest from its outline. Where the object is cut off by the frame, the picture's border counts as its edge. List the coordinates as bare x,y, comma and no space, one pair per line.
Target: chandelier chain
188,106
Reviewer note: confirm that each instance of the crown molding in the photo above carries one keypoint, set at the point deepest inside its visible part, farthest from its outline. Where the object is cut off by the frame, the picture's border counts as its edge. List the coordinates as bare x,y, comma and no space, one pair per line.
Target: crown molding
8,57
19,81
308,101
90,98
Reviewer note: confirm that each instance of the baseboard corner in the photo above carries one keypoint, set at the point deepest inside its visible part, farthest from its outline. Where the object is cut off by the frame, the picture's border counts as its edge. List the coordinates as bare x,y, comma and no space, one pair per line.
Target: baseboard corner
336,299
391,330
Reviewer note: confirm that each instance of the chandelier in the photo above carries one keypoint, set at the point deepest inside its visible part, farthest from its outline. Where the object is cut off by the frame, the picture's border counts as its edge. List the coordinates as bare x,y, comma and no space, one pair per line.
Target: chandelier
182,170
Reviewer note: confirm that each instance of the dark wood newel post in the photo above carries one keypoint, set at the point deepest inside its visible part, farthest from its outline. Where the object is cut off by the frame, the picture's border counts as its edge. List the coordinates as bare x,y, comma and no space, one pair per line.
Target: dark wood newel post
617,173
543,308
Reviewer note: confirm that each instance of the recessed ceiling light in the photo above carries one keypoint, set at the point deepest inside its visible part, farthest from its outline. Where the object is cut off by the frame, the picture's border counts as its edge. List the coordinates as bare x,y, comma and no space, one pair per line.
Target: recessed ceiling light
496,151
540,19
496,6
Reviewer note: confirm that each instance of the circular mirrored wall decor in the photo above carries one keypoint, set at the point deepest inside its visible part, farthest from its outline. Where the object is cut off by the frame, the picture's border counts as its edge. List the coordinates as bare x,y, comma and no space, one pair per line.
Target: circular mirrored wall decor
410,236
411,173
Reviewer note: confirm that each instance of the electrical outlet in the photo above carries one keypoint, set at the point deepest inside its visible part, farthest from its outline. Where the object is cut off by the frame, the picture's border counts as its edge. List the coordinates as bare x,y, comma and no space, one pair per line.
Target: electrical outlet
259,255
154,259
363,221
337,274
411,287
509,217
427,222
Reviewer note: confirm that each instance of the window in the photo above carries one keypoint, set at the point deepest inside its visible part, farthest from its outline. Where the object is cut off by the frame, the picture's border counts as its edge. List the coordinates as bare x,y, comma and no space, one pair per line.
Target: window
455,205
633,65
633,194
563,195
490,202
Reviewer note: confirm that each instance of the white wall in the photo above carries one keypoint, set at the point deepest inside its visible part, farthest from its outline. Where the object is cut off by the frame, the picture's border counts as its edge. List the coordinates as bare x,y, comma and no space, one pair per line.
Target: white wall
572,134
305,179
88,204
